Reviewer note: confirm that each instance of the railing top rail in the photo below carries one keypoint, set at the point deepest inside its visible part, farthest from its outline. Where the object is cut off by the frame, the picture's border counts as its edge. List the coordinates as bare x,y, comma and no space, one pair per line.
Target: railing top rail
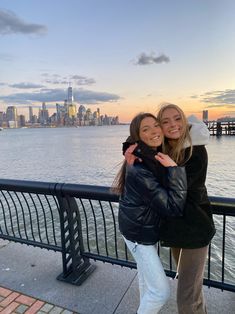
221,205
102,193
27,186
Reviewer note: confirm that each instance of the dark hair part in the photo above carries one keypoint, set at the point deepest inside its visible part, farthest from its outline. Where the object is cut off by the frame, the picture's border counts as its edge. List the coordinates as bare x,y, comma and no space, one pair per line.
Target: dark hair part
119,181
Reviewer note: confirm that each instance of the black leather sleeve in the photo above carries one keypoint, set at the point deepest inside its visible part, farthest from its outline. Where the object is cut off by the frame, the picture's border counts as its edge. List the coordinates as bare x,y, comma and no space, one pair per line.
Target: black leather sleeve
170,200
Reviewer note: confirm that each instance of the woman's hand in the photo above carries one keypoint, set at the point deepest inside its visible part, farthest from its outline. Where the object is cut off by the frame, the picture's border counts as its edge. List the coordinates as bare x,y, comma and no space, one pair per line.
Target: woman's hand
130,158
165,160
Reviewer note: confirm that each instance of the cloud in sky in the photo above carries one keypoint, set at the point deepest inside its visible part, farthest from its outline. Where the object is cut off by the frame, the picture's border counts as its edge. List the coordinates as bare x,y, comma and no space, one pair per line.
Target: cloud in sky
221,106
146,59
82,80
78,80
11,24
224,98
91,97
25,85
58,95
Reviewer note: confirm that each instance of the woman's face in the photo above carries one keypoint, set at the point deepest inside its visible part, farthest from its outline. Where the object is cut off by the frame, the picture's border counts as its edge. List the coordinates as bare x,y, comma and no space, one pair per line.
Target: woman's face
150,132
172,123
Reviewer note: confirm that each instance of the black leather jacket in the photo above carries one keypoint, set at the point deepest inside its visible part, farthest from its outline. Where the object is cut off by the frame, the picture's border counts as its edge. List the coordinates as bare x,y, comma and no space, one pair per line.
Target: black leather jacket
145,201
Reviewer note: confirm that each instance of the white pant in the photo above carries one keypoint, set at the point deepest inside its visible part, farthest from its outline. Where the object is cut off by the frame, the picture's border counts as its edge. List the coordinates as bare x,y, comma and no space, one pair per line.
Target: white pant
153,283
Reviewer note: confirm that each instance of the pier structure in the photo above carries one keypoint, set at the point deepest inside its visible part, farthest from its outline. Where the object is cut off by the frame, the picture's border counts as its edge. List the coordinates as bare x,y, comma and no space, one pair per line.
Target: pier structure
218,128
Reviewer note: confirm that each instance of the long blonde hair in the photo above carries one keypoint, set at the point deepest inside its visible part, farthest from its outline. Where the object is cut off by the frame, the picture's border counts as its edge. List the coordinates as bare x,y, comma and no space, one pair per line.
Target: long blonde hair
177,152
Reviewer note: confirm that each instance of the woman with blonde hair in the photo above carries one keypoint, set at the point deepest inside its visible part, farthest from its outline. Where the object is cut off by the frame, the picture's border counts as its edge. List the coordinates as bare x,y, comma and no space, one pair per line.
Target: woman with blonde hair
184,141
188,237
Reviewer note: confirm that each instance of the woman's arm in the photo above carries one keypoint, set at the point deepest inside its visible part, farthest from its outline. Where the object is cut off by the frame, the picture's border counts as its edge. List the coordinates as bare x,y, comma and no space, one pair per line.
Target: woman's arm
168,201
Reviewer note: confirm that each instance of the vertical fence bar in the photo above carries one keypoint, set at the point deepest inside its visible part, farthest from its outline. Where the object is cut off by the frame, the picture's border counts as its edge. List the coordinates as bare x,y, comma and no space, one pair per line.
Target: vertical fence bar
76,268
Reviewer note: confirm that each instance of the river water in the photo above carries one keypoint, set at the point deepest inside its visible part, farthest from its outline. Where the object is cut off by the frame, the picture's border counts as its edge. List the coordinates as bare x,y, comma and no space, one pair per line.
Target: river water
92,155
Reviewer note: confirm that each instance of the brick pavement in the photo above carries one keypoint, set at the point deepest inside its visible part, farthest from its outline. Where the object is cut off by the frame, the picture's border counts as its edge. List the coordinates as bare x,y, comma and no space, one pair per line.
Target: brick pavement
17,303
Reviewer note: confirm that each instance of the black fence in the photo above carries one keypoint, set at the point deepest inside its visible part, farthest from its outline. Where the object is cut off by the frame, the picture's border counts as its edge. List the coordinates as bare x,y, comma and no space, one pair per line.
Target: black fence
80,221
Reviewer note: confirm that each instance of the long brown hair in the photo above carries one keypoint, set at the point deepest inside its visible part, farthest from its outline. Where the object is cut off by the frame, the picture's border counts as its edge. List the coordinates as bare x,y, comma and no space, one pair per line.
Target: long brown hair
119,181
177,152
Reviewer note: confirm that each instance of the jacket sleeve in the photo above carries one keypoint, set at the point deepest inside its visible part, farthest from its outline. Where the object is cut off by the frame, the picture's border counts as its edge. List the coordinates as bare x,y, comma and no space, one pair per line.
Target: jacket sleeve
196,167
168,201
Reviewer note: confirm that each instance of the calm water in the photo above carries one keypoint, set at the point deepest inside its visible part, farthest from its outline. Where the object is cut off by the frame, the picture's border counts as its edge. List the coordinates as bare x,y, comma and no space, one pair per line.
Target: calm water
92,155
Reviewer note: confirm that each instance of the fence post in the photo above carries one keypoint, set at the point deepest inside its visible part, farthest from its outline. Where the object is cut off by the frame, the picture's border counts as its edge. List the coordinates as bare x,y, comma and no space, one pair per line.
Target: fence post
76,268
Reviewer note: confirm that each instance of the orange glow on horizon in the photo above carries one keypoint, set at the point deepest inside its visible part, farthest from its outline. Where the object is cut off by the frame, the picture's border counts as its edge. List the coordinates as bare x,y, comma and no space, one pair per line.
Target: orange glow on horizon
128,109
127,112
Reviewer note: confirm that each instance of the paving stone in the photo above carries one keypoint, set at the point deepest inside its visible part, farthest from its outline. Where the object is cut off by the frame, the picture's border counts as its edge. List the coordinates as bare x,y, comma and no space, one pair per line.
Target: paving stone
4,292
67,312
11,297
25,300
46,308
56,310
10,308
21,308
35,307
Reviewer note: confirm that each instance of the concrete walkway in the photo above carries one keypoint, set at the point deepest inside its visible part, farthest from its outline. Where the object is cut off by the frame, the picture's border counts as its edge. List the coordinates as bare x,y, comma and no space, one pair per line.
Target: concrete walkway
110,289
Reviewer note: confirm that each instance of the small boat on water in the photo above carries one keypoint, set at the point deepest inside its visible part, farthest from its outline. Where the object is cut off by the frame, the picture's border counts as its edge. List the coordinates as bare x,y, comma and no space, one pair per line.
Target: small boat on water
1,129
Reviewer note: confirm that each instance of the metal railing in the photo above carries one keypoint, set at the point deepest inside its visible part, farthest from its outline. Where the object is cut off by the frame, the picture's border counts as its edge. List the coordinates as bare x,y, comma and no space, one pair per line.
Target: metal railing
80,221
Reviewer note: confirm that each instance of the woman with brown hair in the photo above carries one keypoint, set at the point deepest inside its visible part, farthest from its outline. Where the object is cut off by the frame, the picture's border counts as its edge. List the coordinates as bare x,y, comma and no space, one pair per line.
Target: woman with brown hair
145,198
188,236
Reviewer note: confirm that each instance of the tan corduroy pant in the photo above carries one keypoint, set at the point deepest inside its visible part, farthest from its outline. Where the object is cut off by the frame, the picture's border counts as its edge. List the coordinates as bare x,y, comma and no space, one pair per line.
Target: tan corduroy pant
191,267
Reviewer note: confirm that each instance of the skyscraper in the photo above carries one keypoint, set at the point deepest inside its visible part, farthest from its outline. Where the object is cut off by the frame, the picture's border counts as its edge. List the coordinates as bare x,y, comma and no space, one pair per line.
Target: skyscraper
72,111
205,115
30,114
43,114
81,114
11,115
70,95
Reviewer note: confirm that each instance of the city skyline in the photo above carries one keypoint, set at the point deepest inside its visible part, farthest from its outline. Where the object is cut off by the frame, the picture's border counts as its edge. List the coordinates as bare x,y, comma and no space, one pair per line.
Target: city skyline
67,113
121,56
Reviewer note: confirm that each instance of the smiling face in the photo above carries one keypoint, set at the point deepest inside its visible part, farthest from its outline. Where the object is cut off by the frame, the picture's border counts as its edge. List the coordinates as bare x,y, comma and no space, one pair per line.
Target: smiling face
172,124
150,132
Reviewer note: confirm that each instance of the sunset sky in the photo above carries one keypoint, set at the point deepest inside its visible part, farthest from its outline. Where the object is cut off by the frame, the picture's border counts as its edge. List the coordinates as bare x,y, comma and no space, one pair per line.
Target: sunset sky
123,56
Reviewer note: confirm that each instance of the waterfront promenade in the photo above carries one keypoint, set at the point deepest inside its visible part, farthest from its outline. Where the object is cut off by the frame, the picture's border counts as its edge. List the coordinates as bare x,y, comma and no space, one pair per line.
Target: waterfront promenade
110,289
